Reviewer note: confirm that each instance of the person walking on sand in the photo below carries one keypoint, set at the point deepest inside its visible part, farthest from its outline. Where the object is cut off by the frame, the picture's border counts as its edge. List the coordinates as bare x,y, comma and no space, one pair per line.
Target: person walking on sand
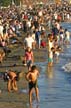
31,77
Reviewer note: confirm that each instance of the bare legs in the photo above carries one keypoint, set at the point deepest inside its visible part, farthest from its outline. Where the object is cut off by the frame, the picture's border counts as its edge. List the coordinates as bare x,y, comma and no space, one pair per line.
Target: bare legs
37,94
30,95
12,85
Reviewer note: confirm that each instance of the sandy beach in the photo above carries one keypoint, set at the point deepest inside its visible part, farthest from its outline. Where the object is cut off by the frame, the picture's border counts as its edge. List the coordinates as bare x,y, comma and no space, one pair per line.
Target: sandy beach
46,30
53,81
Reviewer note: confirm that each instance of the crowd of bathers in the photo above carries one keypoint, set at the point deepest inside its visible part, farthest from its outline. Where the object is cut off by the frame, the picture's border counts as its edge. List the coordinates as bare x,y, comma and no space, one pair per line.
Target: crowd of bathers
39,25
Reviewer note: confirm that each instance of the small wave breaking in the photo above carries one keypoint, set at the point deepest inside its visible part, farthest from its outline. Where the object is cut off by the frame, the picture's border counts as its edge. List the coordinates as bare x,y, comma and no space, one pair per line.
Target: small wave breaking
67,67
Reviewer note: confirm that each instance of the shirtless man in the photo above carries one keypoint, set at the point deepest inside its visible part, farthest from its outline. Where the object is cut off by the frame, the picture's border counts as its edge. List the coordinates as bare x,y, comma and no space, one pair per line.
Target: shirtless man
32,79
12,81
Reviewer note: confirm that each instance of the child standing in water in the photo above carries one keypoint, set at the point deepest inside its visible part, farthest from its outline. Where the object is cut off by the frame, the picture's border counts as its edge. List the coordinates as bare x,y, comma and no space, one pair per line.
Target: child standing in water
29,58
50,57
31,77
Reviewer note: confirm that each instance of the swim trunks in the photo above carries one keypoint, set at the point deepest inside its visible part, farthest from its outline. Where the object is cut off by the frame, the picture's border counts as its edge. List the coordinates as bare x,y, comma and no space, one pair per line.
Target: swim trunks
32,85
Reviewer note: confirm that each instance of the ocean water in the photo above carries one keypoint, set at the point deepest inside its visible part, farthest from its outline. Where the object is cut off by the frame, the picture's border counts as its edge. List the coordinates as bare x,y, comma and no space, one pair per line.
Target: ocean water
67,25
67,54
55,83
67,67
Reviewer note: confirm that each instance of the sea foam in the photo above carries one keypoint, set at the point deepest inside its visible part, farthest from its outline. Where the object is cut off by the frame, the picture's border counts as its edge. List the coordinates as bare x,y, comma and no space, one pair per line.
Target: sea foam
67,67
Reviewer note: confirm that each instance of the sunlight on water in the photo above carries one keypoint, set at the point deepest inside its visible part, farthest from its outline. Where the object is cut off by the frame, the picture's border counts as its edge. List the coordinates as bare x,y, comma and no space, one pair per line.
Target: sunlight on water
67,67
67,25
55,83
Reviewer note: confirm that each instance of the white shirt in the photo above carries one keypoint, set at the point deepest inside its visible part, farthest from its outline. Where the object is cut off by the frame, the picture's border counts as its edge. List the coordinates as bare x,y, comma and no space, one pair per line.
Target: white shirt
40,13
29,24
67,35
1,30
29,41
51,54
50,45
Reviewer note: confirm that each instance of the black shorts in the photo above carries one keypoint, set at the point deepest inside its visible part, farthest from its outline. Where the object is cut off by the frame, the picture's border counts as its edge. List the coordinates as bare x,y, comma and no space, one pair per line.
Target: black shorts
32,85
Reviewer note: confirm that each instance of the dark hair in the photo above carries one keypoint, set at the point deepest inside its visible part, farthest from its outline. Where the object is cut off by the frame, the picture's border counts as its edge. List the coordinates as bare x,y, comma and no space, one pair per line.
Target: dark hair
52,48
6,76
33,68
65,29
60,27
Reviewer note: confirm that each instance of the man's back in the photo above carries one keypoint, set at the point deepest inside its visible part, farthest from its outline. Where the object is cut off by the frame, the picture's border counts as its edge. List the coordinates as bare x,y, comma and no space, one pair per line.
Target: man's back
34,75
12,74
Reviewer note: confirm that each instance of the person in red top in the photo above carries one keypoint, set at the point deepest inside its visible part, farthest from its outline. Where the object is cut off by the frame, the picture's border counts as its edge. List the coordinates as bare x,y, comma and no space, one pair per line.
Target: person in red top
29,57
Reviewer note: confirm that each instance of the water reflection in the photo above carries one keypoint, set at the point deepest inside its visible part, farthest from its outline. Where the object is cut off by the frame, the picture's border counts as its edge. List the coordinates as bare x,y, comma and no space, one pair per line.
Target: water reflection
49,72
34,106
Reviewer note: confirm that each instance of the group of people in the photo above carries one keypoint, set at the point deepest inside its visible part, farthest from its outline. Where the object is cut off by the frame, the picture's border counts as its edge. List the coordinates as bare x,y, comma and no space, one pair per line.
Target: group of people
31,76
35,23
56,40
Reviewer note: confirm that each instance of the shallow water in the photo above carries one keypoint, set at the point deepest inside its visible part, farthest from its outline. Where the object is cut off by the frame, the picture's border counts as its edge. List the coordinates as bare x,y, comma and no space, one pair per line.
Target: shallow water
67,25
54,83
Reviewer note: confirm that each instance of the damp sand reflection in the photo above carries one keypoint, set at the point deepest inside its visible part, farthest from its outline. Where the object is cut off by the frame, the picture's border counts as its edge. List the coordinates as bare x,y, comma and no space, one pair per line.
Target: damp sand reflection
49,72
34,106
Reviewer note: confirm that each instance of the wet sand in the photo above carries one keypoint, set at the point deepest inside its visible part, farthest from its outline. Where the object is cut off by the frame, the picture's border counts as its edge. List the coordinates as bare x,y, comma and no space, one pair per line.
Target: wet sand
54,83
55,86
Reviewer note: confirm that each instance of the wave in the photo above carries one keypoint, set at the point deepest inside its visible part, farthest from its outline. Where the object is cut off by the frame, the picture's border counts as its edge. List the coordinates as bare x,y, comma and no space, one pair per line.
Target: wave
67,67
68,54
